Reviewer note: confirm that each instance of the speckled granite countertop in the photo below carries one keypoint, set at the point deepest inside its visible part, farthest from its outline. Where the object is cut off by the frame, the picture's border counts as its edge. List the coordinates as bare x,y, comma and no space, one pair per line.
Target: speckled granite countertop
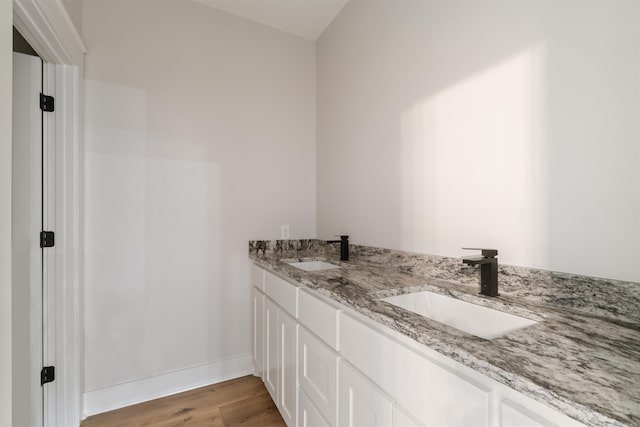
578,360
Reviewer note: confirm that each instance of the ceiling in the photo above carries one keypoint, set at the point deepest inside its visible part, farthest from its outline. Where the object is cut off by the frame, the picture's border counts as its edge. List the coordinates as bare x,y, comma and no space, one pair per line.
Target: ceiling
303,18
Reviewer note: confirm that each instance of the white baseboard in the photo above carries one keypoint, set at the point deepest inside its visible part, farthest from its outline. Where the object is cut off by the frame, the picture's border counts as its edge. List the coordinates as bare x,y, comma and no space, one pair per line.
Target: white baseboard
132,392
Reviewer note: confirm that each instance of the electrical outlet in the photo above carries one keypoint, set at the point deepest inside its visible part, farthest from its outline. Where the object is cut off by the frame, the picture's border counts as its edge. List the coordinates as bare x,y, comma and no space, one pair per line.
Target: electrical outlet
284,231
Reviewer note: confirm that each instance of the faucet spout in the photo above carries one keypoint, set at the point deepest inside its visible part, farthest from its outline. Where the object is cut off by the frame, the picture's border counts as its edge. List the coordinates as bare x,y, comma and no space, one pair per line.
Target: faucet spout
488,270
344,247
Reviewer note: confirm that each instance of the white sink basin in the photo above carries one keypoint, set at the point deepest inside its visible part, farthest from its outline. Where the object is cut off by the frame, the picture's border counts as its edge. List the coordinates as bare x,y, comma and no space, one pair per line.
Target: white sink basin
313,265
480,321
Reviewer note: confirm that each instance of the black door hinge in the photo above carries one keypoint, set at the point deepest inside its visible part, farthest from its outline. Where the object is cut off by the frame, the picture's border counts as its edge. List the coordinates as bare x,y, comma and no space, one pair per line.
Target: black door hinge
47,239
46,102
47,374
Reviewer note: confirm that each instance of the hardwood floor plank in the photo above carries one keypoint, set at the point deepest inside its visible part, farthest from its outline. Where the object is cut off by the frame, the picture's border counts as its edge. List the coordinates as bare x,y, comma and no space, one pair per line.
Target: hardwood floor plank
258,411
243,398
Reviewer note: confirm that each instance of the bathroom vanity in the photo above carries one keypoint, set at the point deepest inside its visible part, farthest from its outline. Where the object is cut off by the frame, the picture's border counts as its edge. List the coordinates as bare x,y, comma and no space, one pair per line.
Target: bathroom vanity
333,349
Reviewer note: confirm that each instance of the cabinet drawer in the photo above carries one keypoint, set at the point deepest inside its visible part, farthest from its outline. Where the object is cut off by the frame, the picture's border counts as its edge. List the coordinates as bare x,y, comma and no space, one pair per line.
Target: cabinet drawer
257,277
433,393
283,293
320,318
518,410
318,374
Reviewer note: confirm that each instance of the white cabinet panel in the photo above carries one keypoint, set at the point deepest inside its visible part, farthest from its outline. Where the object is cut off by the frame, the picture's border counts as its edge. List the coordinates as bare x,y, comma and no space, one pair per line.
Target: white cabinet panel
257,277
422,386
518,410
283,293
258,332
319,317
512,415
402,419
308,414
318,374
271,353
361,402
288,391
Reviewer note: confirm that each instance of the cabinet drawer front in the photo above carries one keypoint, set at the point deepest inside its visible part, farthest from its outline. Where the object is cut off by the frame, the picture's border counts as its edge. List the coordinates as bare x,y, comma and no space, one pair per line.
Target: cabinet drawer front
308,415
320,318
435,395
318,374
361,402
257,277
518,410
283,293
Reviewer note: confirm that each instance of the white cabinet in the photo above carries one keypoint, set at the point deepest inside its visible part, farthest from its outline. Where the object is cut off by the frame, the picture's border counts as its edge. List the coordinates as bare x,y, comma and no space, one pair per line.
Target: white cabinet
271,353
511,415
318,374
283,293
258,332
518,410
361,402
279,351
319,317
308,414
401,418
334,366
423,386
288,367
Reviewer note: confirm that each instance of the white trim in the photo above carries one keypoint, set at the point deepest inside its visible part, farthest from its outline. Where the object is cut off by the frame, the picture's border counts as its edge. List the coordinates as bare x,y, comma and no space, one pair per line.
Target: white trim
142,390
46,25
67,226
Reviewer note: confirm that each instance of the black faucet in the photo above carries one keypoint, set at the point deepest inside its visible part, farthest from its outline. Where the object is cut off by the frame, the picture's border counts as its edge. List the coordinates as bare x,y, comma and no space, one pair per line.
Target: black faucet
344,247
488,270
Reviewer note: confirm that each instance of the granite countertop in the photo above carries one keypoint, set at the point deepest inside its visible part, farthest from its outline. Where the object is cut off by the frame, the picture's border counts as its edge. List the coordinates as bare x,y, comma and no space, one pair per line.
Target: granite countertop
581,362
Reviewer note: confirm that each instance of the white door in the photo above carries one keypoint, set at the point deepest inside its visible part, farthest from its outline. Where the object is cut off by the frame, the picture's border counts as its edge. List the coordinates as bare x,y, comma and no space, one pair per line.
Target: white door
26,252
33,267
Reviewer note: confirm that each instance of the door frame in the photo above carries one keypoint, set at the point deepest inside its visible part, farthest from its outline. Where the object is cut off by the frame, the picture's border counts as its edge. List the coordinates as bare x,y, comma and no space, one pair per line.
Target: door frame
46,25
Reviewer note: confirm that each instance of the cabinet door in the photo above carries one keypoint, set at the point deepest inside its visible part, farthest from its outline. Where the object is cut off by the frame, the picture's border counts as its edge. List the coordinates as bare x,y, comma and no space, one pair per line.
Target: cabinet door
271,353
318,374
288,391
402,419
361,402
428,389
308,415
258,333
513,415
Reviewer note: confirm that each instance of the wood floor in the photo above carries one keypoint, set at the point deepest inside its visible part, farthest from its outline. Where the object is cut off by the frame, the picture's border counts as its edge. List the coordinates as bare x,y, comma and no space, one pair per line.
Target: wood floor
240,402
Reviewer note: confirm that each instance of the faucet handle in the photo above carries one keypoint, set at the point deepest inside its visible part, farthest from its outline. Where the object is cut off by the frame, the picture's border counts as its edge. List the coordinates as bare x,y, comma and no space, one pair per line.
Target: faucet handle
487,253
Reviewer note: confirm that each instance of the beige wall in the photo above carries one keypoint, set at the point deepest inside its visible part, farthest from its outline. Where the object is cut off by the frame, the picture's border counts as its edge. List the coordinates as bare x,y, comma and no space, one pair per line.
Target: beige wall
74,9
199,136
484,123
6,71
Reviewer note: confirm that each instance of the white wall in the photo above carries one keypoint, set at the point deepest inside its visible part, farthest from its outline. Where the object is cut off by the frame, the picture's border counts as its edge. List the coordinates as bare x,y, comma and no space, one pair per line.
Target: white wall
6,73
199,136
511,125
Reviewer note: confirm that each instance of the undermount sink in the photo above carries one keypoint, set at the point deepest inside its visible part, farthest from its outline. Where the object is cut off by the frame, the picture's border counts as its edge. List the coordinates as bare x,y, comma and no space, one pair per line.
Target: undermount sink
313,265
477,320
